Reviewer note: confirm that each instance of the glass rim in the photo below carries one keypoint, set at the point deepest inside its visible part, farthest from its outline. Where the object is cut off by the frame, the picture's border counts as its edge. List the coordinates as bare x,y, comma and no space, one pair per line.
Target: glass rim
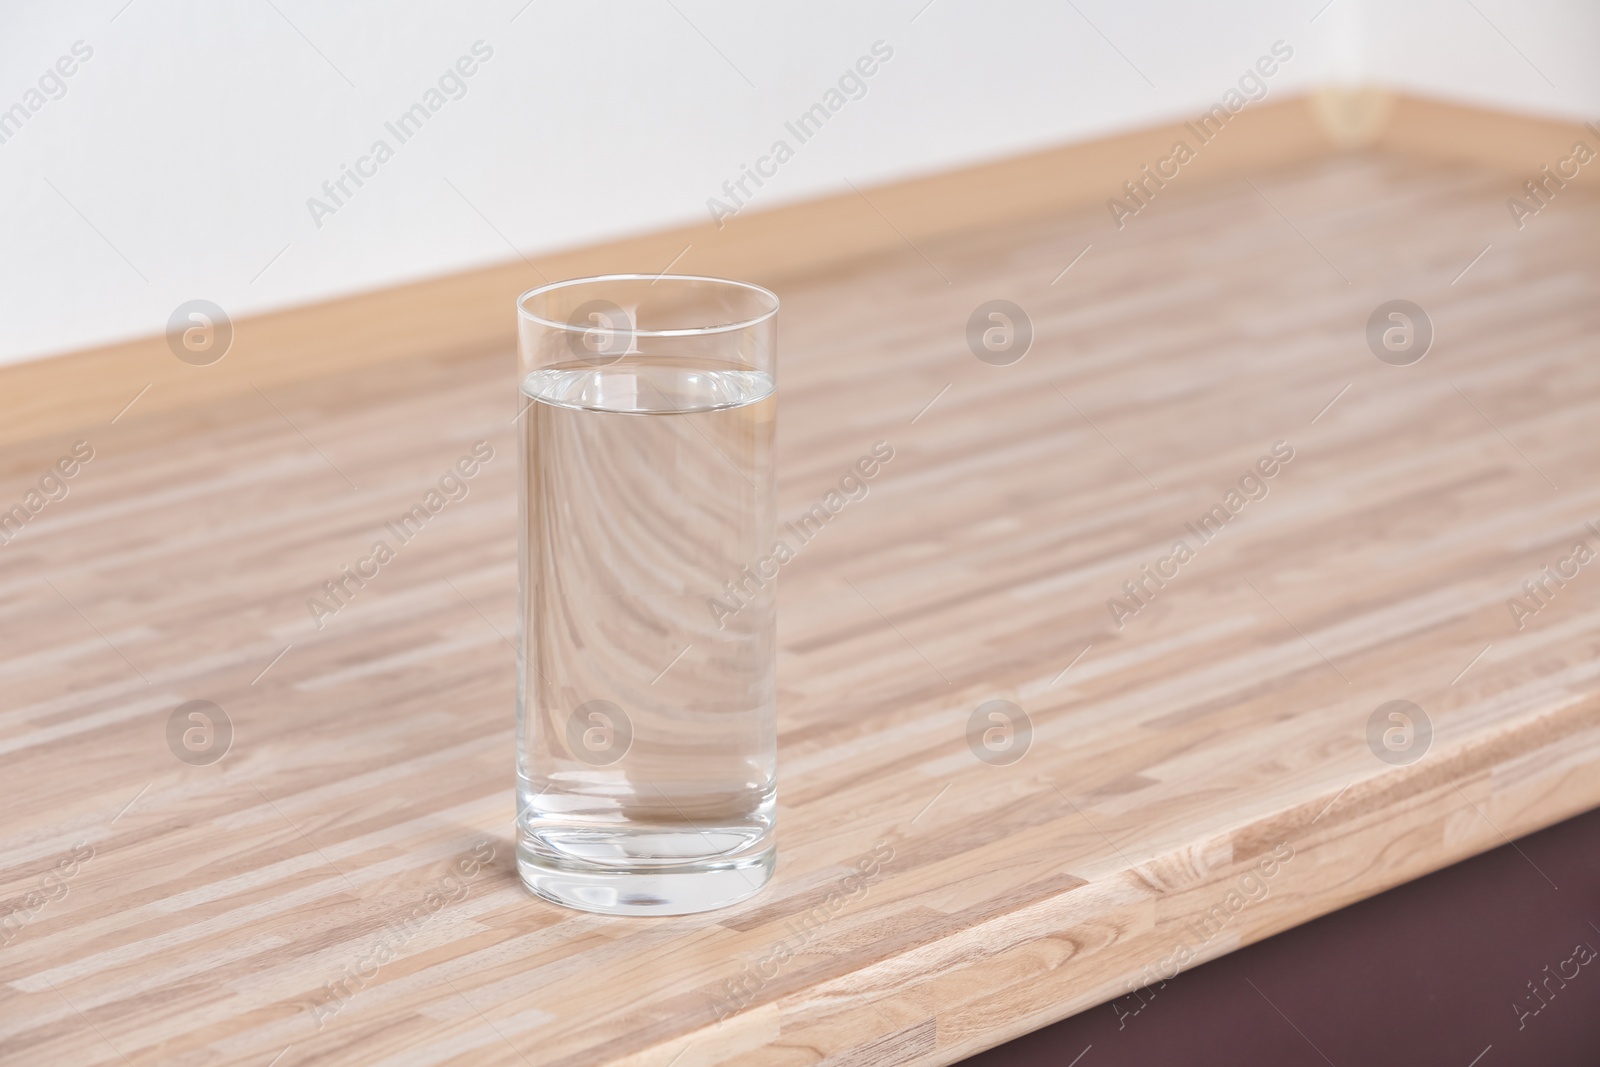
692,331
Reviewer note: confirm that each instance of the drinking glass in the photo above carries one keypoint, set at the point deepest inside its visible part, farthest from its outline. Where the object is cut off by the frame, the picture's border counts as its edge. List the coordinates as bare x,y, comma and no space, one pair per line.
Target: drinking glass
646,689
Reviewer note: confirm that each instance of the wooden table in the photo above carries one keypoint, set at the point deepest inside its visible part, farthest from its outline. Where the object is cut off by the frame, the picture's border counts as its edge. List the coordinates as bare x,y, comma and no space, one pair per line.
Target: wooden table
338,888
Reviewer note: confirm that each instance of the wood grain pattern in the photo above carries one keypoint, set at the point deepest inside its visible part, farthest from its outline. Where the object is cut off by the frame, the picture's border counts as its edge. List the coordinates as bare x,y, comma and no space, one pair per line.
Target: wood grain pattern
461,312
1225,722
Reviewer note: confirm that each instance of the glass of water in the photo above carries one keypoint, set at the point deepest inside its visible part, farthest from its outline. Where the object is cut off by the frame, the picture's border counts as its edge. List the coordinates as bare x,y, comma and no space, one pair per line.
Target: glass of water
646,689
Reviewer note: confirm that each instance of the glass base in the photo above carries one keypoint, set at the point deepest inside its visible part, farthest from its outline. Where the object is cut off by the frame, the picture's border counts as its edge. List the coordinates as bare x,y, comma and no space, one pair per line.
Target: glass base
645,888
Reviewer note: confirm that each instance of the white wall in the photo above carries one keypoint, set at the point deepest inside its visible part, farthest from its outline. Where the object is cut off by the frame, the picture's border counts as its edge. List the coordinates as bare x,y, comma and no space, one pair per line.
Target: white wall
179,161
1537,56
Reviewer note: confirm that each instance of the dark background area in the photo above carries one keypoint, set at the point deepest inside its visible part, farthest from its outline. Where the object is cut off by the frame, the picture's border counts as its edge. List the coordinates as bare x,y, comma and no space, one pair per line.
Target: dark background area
1431,972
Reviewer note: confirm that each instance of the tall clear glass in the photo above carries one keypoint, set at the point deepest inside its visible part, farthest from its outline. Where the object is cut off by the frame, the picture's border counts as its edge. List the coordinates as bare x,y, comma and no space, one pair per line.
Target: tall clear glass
646,688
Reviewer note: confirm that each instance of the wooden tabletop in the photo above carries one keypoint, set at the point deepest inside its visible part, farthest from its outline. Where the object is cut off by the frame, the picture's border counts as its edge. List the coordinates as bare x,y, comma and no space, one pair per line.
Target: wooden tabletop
1206,759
